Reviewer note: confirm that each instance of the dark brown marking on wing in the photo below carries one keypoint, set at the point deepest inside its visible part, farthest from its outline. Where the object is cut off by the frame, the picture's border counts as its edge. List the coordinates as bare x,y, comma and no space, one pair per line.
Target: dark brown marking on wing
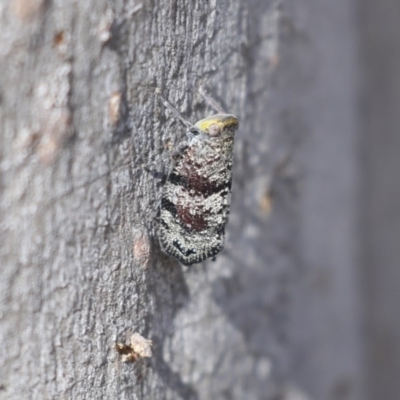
200,185
196,221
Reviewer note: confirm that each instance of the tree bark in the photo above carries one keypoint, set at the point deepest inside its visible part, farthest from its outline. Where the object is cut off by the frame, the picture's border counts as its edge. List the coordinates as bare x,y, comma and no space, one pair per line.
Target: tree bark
276,316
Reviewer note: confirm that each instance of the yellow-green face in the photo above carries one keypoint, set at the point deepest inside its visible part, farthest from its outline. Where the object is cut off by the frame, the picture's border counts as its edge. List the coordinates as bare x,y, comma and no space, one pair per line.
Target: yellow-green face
218,124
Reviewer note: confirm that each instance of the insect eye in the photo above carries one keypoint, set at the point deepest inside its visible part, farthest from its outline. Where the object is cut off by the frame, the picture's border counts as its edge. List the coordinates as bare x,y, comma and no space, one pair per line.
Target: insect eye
194,130
214,130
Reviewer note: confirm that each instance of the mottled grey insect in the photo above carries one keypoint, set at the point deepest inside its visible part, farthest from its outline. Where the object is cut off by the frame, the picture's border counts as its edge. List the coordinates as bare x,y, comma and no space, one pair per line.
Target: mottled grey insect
197,193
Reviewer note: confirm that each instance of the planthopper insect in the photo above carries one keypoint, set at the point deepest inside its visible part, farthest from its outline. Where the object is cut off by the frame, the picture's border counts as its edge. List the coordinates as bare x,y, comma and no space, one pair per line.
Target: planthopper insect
197,193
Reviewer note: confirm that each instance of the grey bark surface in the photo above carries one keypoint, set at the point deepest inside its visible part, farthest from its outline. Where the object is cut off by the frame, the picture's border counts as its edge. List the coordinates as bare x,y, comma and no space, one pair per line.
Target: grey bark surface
276,316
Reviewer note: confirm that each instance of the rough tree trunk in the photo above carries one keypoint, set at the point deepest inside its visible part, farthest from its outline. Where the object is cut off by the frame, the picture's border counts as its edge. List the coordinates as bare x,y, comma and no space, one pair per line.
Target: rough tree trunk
276,316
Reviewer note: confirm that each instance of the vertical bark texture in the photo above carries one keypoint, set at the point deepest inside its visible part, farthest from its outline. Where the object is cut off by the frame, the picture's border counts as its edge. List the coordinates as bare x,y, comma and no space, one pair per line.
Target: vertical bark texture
276,317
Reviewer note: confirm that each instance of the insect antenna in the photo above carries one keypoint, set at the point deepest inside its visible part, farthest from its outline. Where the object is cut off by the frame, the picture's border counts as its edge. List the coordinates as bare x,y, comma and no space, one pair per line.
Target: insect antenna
212,102
174,111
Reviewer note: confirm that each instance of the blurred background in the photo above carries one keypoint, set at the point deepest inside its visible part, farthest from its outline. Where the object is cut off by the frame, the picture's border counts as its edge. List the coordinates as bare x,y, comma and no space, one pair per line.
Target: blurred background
378,130
303,302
